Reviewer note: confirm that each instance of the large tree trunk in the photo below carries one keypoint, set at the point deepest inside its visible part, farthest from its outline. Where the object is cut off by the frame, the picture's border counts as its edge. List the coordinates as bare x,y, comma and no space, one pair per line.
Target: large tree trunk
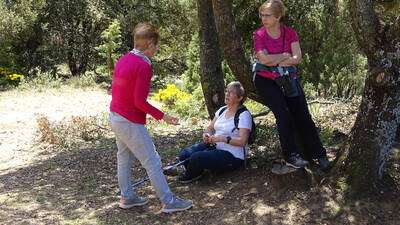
211,76
232,45
377,122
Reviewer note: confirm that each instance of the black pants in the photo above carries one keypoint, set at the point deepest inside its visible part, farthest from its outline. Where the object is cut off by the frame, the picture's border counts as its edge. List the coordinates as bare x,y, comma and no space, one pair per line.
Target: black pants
291,114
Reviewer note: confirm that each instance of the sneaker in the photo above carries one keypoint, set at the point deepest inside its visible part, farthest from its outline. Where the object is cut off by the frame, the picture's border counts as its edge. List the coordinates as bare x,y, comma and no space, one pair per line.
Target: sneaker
323,163
185,178
176,205
296,161
170,171
131,202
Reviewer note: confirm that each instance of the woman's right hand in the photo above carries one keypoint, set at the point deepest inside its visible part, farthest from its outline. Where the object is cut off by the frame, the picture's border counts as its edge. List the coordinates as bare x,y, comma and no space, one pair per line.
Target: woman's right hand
206,138
170,119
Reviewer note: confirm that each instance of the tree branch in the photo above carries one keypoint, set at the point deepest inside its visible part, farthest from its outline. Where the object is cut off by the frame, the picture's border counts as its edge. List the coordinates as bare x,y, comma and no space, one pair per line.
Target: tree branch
366,25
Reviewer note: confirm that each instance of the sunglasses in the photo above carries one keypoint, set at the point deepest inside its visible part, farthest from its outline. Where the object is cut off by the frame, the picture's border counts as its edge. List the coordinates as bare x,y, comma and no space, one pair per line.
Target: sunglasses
265,15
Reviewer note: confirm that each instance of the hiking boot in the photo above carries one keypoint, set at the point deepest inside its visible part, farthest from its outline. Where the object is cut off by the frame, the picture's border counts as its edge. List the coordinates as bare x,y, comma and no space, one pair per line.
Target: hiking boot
185,178
131,202
176,205
323,163
296,161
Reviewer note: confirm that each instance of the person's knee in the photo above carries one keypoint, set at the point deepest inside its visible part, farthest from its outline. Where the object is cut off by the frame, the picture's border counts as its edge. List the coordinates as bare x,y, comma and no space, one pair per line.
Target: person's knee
184,154
153,162
123,160
198,159
282,115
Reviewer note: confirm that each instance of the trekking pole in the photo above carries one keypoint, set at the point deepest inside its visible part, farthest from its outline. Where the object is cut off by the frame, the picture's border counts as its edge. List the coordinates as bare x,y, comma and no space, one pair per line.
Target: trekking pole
171,169
167,170
139,182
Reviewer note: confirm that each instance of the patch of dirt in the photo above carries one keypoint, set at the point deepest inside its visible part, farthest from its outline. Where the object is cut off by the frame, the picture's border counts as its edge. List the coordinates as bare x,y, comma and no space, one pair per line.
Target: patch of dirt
79,186
18,118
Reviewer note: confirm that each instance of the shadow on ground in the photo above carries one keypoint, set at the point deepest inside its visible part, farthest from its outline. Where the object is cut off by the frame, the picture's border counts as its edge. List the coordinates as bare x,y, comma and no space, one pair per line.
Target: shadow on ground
79,186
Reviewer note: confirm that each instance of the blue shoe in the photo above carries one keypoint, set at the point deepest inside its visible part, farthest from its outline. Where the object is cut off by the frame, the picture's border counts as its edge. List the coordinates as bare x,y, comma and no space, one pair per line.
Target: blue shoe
131,202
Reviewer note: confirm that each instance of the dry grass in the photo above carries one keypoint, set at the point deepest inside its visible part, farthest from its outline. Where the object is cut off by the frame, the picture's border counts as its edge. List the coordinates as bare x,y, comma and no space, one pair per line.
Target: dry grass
71,132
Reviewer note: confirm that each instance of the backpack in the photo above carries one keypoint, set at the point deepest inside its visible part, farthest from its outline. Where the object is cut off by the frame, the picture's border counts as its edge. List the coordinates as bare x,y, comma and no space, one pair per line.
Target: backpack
253,131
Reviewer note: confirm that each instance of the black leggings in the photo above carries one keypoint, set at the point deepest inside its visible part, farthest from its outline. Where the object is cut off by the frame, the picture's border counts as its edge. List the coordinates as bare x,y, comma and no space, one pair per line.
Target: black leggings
291,114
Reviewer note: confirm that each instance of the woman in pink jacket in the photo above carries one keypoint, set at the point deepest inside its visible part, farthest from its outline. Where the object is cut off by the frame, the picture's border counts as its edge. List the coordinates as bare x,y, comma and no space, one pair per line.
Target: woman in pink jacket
128,109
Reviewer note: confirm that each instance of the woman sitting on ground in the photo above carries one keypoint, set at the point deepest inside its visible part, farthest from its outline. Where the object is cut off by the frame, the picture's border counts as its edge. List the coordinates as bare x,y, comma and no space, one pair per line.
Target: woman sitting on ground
223,146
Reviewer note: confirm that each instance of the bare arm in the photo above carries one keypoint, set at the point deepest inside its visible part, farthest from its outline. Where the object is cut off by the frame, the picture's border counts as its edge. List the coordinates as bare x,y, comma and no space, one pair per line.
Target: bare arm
209,131
271,59
296,56
210,127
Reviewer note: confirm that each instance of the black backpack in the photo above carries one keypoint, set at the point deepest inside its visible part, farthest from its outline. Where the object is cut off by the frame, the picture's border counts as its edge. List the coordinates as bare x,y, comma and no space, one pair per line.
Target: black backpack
253,131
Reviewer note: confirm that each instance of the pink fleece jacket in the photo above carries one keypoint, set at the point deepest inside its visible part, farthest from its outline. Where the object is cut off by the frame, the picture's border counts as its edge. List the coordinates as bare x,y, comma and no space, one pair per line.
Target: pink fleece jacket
130,89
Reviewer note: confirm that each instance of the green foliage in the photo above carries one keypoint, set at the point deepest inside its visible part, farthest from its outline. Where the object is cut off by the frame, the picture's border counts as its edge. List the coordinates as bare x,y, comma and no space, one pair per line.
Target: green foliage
191,77
177,21
341,67
192,107
254,107
18,32
332,62
111,42
36,36
43,81
72,30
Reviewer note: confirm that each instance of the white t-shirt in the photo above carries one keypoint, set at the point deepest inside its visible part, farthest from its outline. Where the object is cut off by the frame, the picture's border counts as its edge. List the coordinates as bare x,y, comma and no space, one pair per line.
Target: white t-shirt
224,126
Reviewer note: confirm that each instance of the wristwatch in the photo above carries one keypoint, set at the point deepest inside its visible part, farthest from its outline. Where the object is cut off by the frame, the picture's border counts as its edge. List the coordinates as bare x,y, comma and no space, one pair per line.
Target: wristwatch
228,139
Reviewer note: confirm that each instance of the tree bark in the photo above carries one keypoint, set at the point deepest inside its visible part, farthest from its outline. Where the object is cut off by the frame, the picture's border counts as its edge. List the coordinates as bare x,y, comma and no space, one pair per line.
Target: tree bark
211,76
378,119
232,45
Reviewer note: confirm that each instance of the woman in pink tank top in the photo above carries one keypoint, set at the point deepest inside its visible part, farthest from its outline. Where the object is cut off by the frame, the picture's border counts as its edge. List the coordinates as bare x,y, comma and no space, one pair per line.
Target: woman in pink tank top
277,49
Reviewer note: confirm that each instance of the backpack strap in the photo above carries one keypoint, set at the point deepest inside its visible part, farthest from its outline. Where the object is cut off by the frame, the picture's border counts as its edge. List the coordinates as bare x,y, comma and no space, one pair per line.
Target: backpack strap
223,108
241,109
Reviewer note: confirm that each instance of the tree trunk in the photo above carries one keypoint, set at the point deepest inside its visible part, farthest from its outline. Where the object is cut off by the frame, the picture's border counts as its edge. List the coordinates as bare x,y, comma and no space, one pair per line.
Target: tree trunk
211,76
377,122
232,45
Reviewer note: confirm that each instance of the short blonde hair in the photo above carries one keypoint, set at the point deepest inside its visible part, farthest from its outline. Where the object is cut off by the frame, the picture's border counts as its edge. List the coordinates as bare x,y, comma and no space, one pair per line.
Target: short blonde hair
276,6
143,33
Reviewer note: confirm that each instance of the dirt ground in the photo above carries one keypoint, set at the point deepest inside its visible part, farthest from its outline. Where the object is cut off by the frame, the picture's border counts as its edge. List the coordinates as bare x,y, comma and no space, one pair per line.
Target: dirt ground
49,185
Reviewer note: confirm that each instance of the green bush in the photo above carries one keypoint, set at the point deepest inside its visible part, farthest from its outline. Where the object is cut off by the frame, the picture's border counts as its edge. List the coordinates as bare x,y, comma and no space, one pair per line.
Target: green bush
194,106
41,82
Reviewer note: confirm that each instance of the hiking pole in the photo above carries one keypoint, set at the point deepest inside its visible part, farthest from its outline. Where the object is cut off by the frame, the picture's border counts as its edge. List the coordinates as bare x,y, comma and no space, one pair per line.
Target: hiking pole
167,170
171,169
139,182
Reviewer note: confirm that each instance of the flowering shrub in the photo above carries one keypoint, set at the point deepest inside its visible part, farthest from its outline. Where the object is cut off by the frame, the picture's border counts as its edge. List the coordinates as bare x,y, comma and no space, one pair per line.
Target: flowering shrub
8,77
170,95
182,103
